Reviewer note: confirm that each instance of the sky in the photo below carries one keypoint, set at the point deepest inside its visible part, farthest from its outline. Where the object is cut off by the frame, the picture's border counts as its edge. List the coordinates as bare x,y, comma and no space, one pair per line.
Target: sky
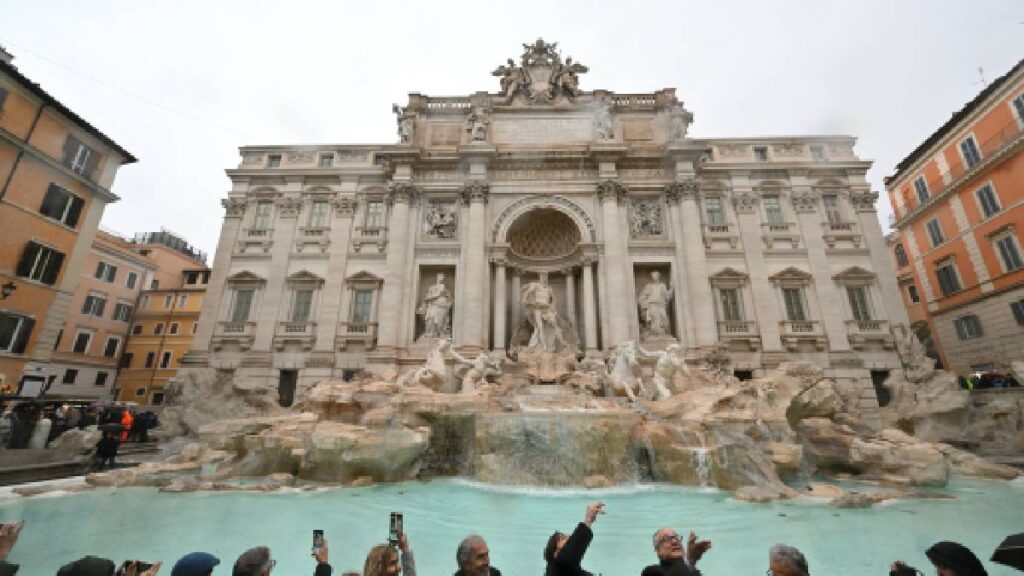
182,84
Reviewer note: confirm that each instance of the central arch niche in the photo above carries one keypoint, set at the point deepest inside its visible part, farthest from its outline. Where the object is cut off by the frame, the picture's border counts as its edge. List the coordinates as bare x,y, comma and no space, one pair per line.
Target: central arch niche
543,234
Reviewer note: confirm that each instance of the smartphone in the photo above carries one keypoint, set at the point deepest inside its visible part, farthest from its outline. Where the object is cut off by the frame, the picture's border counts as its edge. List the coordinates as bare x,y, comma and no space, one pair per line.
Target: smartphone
395,528
318,540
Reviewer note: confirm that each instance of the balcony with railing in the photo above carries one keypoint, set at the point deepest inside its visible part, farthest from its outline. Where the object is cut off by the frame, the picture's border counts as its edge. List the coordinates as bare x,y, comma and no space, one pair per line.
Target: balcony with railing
862,332
234,334
360,332
773,233
255,240
741,331
795,332
721,233
837,231
375,236
298,333
991,150
312,238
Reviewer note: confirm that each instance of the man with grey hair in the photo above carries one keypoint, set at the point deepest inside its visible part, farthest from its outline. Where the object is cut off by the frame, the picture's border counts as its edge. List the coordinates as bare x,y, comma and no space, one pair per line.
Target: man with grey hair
254,562
474,558
787,561
672,559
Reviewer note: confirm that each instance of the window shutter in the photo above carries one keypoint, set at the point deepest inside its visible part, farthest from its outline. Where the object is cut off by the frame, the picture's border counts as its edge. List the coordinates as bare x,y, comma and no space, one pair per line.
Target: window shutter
75,211
1018,311
90,163
28,257
26,331
51,202
70,149
53,268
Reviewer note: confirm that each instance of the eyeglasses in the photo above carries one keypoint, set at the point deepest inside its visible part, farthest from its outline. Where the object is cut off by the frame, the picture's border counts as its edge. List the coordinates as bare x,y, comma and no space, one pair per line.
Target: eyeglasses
272,564
669,538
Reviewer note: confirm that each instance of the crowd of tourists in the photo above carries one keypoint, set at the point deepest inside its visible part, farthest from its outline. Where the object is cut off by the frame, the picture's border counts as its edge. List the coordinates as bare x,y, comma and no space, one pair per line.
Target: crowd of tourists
563,555
33,424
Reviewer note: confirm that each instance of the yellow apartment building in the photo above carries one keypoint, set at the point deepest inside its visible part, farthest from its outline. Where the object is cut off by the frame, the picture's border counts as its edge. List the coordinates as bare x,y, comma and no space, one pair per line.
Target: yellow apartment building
56,171
165,318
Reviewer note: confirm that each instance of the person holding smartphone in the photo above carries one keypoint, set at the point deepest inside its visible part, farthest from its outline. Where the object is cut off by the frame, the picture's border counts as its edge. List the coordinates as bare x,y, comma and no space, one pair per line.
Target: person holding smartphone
391,559
564,554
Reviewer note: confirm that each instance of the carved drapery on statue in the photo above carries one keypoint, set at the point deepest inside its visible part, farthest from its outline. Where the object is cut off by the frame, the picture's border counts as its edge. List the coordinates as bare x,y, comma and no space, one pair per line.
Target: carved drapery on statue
436,310
653,302
541,76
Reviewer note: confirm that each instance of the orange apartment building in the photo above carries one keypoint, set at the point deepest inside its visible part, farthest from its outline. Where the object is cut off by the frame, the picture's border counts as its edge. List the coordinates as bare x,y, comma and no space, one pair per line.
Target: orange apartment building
88,351
165,318
958,201
56,171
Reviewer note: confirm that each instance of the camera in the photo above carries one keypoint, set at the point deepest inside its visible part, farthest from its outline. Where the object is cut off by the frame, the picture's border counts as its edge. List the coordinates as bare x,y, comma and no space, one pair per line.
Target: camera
395,528
318,540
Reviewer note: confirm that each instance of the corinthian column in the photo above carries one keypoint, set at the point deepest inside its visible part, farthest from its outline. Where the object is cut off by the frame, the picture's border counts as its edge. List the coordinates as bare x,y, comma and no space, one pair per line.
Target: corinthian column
701,300
400,196
589,308
474,316
500,307
611,193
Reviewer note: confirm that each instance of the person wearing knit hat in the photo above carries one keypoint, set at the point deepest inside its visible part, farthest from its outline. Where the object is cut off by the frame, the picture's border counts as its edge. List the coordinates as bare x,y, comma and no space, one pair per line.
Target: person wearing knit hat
953,559
195,564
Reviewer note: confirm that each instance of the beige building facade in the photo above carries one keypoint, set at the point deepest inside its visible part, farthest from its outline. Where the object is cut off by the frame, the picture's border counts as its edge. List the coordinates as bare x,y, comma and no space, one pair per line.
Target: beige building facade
337,258
89,348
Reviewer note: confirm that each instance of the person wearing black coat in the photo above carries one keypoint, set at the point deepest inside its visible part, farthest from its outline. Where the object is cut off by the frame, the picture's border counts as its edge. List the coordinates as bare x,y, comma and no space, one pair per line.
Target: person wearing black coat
672,559
564,554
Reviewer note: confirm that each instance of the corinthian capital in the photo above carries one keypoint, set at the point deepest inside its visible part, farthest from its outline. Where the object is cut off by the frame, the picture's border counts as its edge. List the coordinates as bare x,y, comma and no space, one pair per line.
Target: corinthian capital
344,205
804,201
475,191
233,207
863,200
684,190
404,192
611,190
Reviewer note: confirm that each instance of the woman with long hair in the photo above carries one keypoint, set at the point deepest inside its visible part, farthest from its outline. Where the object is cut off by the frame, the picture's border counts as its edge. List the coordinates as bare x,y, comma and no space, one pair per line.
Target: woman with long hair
387,560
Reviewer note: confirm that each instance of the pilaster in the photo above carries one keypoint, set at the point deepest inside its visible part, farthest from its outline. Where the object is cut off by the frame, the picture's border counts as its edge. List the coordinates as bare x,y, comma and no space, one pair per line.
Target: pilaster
745,202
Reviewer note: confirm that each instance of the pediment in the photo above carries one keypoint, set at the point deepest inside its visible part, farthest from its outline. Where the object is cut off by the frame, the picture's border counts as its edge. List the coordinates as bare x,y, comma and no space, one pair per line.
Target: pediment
304,277
729,273
791,273
245,277
364,277
855,273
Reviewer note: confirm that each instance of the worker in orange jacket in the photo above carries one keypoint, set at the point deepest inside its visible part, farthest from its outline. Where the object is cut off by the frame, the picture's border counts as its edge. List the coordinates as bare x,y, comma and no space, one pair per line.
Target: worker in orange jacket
126,424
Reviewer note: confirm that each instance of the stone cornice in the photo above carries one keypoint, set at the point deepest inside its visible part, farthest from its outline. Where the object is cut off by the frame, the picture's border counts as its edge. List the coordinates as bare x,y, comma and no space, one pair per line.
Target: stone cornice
101,192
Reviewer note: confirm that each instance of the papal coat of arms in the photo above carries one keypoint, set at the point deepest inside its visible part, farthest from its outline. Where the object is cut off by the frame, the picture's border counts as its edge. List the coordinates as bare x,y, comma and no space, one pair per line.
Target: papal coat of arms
541,76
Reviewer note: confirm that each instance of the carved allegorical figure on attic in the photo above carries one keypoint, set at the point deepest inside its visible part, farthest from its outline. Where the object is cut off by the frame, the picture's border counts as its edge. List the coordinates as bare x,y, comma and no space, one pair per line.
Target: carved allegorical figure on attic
541,77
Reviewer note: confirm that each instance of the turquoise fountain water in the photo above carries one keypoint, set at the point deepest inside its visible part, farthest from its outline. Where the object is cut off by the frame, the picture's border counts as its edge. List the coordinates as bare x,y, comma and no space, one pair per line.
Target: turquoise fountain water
143,523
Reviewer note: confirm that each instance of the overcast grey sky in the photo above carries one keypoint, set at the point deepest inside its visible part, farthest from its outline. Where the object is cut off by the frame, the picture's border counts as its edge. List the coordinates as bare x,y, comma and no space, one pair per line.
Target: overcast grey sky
182,84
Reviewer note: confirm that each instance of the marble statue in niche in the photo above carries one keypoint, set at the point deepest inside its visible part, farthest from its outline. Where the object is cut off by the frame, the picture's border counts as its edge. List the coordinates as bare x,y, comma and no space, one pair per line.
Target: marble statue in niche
654,300
440,220
435,309
539,304
647,220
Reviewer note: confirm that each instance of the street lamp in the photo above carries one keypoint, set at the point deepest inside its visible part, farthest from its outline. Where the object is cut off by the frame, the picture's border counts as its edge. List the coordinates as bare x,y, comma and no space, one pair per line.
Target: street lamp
7,289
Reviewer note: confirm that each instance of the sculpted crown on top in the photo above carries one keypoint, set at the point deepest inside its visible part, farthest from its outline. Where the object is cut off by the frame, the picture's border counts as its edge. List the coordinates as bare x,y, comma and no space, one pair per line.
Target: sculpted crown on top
541,76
